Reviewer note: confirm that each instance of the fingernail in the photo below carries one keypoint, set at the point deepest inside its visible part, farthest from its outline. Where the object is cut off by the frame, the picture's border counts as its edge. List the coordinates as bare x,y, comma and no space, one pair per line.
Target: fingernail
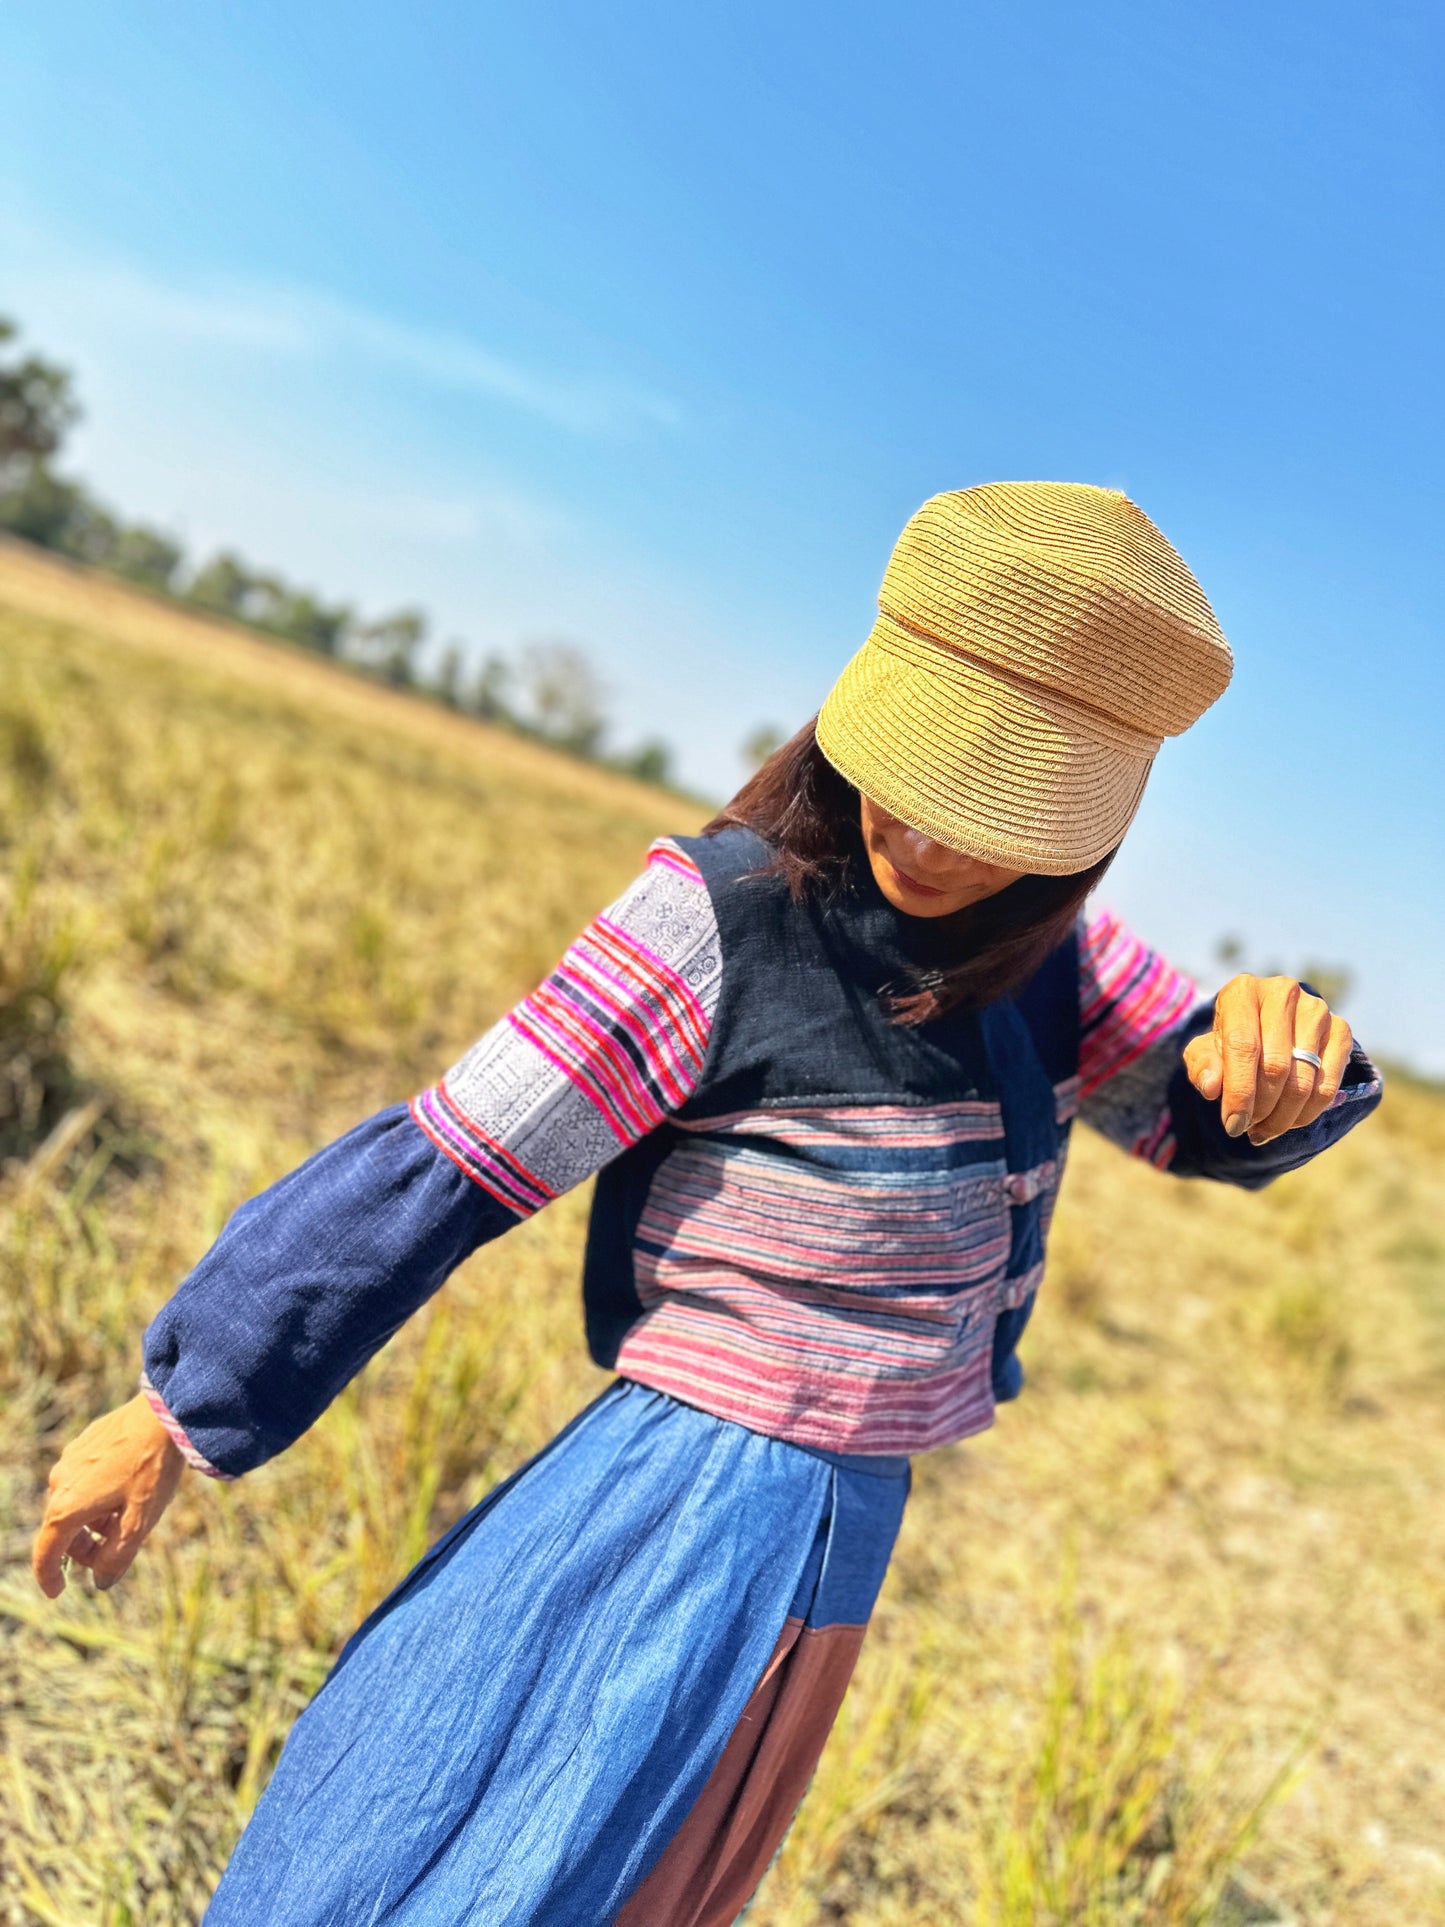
1236,1123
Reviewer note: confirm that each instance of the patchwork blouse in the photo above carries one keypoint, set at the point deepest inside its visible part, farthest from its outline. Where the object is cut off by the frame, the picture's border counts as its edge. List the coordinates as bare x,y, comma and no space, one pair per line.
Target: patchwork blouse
822,1224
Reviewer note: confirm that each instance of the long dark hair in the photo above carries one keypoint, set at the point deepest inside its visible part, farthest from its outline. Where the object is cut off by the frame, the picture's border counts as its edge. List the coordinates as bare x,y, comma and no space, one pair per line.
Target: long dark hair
801,806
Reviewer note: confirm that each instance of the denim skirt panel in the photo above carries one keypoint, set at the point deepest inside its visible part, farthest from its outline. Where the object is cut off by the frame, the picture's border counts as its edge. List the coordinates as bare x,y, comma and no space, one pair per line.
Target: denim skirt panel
545,1720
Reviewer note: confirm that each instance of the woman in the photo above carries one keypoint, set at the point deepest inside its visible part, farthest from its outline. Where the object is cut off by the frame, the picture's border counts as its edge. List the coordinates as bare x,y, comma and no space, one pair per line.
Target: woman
824,1059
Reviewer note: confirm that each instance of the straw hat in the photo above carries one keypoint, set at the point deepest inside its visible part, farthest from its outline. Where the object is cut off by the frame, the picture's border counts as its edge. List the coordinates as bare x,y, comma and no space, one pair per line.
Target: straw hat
1036,641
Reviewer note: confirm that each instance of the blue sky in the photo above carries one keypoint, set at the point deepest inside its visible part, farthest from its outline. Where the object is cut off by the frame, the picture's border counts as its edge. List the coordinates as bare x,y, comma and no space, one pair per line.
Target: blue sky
651,325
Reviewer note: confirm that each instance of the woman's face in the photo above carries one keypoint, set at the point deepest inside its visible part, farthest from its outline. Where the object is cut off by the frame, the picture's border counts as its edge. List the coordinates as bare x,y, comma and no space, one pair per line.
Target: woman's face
921,877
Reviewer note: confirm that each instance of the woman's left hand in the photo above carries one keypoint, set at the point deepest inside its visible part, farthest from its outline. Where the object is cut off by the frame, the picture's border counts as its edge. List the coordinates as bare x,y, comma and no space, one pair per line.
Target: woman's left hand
1246,1060
107,1489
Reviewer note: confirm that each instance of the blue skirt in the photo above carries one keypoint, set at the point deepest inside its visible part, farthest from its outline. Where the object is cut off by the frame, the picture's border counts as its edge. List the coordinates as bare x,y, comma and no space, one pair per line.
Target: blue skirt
597,1699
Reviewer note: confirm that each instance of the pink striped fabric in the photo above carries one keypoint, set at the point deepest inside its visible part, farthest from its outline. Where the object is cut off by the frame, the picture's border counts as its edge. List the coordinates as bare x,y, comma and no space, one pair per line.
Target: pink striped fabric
843,1296
1129,996
597,1055
719,1366
621,1025
484,1158
882,1128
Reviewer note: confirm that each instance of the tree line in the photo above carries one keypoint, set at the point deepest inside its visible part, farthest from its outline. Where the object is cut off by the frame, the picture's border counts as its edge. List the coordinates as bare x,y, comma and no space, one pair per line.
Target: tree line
549,689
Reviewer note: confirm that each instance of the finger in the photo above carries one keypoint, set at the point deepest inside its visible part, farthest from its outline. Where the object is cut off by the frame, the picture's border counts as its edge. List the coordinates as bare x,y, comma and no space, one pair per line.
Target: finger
1320,1039
1311,1030
83,1547
1204,1066
1236,1031
1334,1055
67,1532
48,1551
89,1539
1278,999
114,1559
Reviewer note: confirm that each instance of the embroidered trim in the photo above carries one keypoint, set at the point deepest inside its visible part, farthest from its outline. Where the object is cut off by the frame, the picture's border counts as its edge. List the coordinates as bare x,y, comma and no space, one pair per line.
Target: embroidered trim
1129,996
189,1453
606,1047
484,1160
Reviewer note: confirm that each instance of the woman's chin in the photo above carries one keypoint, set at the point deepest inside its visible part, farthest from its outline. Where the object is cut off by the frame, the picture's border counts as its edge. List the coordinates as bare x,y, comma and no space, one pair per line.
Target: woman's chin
930,910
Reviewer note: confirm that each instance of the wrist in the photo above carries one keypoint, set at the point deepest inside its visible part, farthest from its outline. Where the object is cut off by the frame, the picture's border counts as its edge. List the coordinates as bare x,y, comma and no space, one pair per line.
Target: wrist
147,1425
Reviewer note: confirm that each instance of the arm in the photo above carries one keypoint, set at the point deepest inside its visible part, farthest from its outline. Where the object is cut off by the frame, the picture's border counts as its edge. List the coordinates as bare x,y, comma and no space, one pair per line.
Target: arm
303,1285
1161,1070
308,1280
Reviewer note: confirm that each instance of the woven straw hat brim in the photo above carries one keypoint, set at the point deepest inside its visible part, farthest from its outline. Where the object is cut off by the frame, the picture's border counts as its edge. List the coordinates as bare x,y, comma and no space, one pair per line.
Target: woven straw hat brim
980,759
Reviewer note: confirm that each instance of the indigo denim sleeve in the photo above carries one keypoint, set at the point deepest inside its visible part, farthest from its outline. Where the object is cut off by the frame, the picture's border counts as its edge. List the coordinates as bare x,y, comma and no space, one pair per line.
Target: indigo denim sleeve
308,1280
305,1283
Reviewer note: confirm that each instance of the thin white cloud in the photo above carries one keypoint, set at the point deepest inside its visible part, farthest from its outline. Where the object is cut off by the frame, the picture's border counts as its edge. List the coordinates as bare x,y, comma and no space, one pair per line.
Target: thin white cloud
308,323
468,520
453,361
463,521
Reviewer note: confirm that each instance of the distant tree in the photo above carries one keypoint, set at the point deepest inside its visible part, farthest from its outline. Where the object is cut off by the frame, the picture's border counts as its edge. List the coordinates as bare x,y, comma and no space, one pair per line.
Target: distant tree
229,586
265,600
490,697
146,556
651,761
389,645
564,695
759,744
447,684
37,409
45,508
92,532
303,618
226,585
1333,981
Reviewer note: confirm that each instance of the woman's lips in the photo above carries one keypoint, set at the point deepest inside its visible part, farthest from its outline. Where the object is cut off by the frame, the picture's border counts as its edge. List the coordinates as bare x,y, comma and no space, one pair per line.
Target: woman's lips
911,883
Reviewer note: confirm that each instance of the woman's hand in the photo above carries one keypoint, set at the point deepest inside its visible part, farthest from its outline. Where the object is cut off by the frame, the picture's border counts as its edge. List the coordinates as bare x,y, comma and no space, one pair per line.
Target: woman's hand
107,1489
1246,1063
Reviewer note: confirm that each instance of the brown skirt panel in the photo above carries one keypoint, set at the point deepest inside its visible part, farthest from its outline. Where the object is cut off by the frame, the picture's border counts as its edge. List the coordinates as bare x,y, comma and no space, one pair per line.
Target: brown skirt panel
721,1851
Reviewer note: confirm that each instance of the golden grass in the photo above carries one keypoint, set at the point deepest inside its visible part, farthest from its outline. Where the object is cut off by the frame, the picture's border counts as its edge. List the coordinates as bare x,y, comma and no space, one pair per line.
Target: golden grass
1165,1648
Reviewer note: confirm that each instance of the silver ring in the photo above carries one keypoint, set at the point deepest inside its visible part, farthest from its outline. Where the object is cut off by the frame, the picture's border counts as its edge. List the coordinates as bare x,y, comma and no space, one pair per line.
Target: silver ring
1308,1057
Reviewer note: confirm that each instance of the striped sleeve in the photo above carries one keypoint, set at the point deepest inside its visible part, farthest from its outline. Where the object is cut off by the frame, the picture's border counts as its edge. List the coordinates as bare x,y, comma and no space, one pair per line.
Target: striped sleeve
309,1279
1134,1010
598,1055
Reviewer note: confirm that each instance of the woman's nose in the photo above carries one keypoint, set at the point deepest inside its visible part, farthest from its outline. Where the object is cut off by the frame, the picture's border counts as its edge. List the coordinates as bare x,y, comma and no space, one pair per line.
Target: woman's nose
922,849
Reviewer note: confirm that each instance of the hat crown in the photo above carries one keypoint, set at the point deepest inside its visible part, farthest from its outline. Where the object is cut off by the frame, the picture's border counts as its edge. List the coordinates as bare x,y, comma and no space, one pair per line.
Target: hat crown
1068,586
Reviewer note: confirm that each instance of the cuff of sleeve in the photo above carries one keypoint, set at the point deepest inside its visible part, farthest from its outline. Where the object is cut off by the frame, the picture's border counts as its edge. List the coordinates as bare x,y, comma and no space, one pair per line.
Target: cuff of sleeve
1361,1080
177,1431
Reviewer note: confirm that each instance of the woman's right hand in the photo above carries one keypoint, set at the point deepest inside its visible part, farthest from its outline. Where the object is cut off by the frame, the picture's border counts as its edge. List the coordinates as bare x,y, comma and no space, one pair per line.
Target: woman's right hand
107,1490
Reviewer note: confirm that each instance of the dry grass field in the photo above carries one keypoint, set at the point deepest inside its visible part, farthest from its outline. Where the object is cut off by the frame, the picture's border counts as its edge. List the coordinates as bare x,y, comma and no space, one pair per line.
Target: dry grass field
1167,1647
